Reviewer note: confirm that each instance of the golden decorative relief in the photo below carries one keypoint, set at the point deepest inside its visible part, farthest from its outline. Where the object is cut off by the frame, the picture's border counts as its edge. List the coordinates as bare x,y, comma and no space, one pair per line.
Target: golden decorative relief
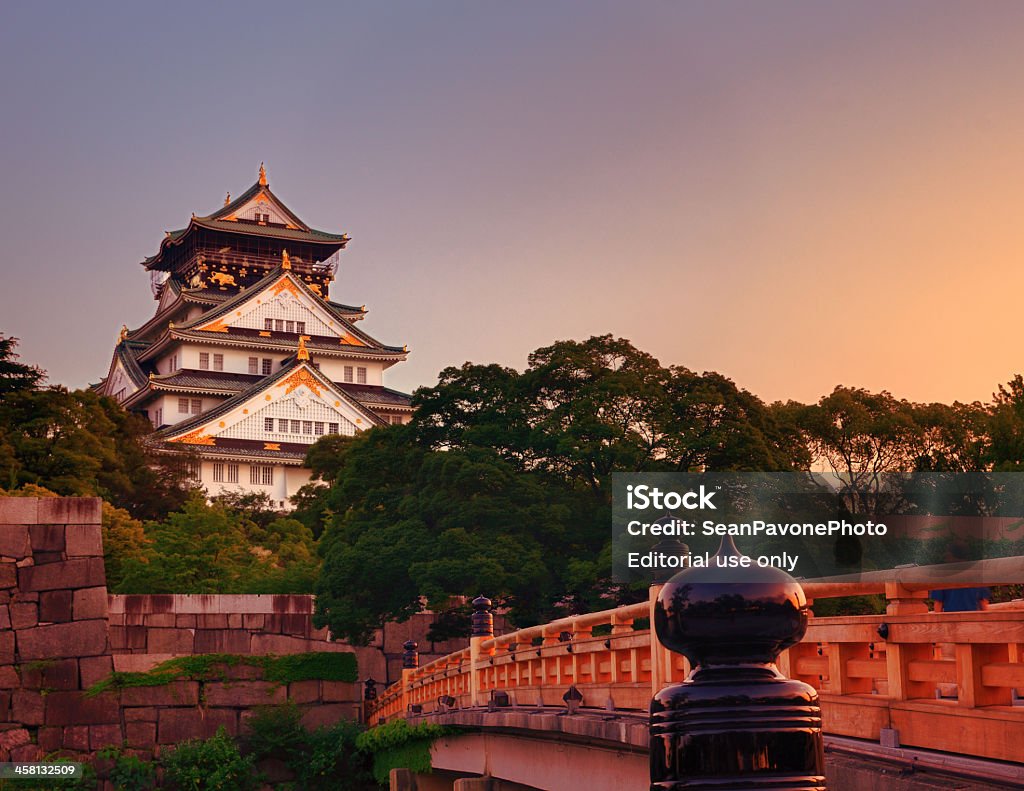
286,262
264,334
299,378
271,446
337,403
197,437
315,289
245,411
302,353
216,326
223,279
267,396
350,340
222,424
285,284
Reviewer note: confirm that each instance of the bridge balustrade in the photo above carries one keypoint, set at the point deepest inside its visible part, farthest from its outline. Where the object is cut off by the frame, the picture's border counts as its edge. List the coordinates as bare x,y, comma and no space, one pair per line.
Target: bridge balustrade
941,681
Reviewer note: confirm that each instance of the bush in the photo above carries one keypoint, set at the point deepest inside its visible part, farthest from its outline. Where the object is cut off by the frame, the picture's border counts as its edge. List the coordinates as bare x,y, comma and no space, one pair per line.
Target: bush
216,763
399,744
326,758
129,772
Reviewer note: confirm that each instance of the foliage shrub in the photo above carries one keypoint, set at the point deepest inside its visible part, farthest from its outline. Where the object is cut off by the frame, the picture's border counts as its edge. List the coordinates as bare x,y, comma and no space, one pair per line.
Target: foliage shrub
129,772
215,763
400,745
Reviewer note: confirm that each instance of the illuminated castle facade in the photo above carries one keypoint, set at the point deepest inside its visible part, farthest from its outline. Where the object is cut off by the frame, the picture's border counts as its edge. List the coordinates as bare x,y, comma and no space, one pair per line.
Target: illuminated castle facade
247,360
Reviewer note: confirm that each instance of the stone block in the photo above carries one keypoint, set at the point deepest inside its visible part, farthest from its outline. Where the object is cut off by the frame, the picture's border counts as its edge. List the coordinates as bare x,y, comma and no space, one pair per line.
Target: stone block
177,693
41,558
50,674
279,644
295,624
9,678
211,621
19,510
162,620
371,663
304,692
243,693
140,714
28,707
24,614
55,606
83,541
340,692
26,754
222,641
14,541
138,663
94,669
73,708
78,638
76,737
14,737
5,617
177,725
47,538
328,714
6,647
253,621
118,636
76,573
90,603
69,511
50,739
185,621
8,575
140,734
170,641
135,637
234,620
101,736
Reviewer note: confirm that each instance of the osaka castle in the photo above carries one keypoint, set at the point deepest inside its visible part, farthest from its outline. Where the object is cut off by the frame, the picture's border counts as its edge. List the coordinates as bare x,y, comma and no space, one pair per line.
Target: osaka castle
247,360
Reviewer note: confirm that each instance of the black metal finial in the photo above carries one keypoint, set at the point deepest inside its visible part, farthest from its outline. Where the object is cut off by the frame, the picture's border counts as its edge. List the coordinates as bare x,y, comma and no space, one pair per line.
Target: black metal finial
410,657
736,718
369,689
483,620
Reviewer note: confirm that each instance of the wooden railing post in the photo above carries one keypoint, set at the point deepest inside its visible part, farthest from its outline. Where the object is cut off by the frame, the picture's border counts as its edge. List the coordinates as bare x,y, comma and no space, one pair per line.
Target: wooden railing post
483,629
902,601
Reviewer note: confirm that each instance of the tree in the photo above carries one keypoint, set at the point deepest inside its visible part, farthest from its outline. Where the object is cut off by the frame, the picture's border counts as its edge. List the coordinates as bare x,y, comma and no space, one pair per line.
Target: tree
14,376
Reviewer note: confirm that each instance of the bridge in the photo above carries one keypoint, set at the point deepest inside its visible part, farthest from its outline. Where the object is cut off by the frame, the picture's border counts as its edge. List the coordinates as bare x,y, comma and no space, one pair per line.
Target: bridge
910,699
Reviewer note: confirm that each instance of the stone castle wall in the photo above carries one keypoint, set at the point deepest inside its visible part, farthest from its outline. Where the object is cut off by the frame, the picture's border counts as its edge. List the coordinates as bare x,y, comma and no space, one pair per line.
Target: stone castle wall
60,633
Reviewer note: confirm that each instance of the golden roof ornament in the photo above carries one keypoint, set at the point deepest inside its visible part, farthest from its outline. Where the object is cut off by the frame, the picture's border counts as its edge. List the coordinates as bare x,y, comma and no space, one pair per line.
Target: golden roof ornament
286,262
263,175
227,199
302,353
124,333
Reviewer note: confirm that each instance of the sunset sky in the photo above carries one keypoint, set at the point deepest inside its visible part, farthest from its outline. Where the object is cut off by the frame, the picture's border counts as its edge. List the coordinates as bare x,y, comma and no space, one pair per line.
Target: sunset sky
797,195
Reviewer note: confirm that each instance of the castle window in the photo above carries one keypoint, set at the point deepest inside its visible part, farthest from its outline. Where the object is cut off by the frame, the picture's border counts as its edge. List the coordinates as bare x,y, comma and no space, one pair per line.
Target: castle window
282,426
307,426
204,361
296,427
279,325
361,375
158,417
261,475
348,373
218,472
396,420
268,424
182,406
232,473
218,362
268,324
197,406
289,326
300,327
318,428
254,365
332,428
267,366
194,471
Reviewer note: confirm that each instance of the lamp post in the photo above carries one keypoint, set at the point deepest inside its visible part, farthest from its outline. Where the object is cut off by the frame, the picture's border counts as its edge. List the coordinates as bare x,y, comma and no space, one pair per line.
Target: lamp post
736,722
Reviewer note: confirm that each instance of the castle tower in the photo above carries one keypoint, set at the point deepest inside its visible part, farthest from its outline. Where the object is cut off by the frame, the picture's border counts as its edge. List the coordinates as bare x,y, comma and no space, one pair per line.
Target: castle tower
247,360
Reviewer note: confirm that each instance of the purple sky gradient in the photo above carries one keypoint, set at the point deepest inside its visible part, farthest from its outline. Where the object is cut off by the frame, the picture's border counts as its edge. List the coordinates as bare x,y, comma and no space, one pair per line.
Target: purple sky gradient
797,195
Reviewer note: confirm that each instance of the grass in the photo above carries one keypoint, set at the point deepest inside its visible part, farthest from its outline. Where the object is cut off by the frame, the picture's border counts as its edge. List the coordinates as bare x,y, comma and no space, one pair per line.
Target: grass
316,666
